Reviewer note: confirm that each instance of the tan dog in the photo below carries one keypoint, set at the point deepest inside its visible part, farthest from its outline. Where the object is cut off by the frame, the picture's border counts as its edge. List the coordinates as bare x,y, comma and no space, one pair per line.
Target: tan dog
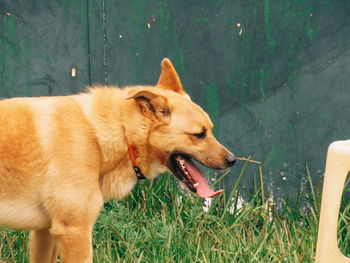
62,157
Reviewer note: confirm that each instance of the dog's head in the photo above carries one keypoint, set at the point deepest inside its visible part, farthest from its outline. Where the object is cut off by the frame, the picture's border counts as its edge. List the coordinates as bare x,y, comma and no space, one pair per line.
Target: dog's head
181,131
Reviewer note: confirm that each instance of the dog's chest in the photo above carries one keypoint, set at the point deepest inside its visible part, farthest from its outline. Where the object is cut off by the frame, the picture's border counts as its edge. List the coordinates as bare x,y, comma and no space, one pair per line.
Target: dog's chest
22,214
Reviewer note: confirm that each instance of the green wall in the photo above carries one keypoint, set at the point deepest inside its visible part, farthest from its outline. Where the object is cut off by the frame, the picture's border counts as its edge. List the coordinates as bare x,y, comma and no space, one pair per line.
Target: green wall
274,75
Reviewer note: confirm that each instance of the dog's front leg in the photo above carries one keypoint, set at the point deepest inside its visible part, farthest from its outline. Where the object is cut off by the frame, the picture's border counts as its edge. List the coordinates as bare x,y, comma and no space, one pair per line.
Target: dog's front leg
74,242
43,247
73,213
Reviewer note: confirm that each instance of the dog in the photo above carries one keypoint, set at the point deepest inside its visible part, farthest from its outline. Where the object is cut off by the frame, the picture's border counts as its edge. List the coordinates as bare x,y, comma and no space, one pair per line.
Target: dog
62,157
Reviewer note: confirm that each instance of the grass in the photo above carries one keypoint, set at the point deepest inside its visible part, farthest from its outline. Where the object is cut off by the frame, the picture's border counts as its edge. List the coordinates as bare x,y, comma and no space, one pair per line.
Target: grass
158,222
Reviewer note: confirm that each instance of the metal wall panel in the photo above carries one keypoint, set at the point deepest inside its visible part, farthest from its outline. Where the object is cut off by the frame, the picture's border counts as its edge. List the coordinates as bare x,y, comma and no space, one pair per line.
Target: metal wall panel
274,75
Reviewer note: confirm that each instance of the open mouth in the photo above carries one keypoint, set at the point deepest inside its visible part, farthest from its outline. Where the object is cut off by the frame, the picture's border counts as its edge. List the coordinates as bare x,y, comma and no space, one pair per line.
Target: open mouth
188,173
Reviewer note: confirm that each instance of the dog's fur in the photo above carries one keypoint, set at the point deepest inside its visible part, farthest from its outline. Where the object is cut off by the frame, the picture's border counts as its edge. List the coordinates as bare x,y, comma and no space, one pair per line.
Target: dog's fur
61,158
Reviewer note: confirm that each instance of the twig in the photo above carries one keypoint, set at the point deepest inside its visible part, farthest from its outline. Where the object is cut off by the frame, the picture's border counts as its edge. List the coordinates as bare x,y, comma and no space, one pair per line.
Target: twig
247,160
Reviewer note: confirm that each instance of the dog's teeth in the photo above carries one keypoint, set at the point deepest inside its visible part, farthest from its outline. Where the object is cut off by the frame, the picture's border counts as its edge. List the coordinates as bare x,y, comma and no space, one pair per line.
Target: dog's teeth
196,185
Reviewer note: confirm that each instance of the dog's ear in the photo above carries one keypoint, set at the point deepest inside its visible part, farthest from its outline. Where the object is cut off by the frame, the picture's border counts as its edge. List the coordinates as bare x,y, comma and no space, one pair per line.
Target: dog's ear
169,79
152,105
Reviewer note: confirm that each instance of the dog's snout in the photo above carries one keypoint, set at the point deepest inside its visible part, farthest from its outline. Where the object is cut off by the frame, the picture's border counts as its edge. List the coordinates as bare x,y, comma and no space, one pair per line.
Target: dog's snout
230,160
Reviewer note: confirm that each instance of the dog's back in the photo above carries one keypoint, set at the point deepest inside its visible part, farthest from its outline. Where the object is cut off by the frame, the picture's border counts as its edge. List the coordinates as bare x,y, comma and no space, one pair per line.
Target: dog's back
21,157
33,139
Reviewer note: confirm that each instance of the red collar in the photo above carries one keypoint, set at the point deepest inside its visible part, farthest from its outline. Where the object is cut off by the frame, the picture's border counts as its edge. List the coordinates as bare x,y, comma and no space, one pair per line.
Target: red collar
133,157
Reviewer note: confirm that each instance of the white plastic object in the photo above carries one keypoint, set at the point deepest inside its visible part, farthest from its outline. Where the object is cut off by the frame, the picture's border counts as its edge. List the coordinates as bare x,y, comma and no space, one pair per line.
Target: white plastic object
337,169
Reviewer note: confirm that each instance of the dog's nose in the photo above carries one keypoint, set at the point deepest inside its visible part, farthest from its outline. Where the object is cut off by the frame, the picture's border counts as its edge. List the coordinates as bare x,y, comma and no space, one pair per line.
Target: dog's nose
230,160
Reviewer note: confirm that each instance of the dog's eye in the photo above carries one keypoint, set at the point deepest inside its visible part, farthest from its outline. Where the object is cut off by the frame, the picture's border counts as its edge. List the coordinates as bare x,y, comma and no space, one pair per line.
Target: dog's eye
200,135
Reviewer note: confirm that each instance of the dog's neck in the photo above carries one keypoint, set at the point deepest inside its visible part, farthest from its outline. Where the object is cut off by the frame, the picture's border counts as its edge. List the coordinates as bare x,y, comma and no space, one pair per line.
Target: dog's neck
121,176
133,158
116,131
135,136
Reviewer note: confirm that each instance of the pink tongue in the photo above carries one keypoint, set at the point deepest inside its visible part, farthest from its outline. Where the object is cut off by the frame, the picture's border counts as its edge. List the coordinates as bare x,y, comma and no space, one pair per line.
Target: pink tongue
203,189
